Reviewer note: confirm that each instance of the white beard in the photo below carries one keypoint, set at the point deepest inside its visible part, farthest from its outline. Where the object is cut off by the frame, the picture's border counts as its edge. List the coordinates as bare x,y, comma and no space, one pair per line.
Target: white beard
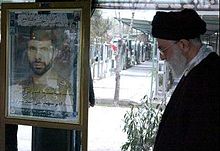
178,63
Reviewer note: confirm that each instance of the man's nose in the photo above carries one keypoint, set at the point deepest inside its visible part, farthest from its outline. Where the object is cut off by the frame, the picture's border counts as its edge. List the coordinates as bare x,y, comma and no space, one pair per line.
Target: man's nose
38,54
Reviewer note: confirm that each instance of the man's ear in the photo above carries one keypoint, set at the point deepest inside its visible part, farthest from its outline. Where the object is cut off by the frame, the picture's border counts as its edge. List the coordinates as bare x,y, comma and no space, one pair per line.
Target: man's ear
184,45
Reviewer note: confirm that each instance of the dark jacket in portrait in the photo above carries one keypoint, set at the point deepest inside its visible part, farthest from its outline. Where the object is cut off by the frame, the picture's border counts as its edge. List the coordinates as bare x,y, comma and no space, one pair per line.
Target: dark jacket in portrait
191,119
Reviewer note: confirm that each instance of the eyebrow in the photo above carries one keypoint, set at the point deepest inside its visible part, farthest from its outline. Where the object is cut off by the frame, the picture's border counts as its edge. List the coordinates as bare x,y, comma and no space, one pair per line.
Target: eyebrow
45,48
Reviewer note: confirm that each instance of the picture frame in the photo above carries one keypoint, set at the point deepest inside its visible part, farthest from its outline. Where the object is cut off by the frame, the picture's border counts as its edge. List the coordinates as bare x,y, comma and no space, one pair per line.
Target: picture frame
44,70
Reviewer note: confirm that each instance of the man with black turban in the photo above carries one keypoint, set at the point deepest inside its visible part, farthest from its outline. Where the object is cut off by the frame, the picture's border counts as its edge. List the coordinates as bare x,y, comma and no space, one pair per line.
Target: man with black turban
191,119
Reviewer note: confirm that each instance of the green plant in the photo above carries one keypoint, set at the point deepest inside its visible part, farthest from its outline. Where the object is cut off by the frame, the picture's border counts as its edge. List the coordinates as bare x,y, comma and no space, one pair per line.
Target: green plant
141,125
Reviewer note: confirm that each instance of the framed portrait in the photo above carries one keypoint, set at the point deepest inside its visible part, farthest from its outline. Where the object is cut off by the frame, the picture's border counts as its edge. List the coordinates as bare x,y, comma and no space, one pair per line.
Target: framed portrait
43,51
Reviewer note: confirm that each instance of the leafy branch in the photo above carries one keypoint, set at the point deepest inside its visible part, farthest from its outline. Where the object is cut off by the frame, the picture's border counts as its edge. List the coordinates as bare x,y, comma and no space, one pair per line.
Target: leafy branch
141,124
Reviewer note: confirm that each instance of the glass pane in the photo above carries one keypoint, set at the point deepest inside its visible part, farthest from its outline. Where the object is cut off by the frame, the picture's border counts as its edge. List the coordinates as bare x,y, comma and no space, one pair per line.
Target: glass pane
43,50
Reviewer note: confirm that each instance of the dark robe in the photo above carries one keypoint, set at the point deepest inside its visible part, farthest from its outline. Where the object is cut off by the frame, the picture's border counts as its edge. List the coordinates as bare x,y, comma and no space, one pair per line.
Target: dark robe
191,119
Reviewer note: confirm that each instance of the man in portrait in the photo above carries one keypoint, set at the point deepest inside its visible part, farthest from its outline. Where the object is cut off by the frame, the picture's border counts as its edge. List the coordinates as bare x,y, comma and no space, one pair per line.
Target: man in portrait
46,88
44,93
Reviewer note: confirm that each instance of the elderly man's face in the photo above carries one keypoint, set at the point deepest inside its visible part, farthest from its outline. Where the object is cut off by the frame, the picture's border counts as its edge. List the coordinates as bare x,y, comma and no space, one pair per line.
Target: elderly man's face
40,55
173,55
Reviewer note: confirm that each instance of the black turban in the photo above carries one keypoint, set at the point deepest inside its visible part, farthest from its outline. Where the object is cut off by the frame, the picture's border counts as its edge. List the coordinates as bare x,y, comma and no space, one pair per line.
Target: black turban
185,24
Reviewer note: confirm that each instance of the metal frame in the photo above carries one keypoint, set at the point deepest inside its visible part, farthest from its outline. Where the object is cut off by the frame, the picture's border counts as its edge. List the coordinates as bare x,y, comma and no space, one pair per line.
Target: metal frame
199,5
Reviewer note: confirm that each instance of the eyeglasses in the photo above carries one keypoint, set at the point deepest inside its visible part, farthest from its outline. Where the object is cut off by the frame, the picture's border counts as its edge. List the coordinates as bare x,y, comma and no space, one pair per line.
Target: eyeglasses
163,50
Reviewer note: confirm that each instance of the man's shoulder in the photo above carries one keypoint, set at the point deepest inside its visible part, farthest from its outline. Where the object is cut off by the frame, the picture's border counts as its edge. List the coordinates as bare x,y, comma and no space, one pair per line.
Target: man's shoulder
213,57
210,63
26,82
63,83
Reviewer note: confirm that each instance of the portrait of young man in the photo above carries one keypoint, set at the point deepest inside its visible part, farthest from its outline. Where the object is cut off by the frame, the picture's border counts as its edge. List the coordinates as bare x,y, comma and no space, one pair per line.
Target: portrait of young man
44,80
44,93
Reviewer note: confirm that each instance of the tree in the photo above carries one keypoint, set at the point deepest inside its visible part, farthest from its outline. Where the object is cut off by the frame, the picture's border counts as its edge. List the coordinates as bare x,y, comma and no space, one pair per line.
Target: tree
119,57
98,35
99,26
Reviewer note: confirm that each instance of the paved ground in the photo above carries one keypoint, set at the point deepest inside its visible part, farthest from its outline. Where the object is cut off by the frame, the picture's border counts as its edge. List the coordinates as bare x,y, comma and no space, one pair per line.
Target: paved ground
105,128
135,82
106,119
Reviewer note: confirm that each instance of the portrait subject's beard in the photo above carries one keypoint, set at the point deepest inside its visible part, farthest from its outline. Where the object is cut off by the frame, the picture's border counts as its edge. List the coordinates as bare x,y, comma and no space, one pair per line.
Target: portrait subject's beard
39,68
178,63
